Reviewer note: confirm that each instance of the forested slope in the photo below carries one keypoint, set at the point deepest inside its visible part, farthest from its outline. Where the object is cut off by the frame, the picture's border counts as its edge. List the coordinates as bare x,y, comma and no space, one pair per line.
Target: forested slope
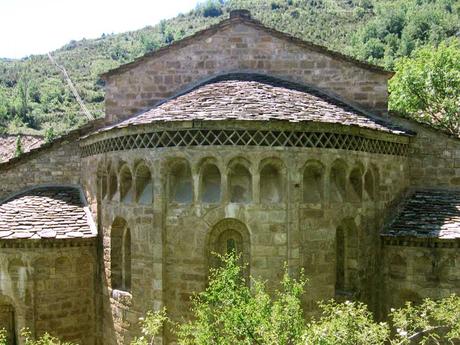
35,98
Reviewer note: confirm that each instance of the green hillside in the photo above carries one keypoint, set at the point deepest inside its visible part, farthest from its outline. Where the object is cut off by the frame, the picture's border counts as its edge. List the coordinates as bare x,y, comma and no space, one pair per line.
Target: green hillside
34,96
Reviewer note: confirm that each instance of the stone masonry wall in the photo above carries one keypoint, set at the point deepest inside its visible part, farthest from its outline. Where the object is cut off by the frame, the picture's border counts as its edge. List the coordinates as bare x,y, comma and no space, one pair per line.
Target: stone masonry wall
122,308
434,156
50,289
171,240
415,272
58,164
243,47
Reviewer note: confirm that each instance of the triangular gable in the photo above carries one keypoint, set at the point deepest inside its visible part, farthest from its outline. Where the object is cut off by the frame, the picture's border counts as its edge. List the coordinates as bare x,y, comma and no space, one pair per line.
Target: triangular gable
241,44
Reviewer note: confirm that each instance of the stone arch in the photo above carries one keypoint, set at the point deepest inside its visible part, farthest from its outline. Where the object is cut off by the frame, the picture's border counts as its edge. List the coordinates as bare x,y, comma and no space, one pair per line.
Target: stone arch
210,182
180,182
338,181
397,267
17,268
120,255
63,266
355,180
271,174
227,235
42,268
112,186
143,184
126,185
239,181
8,320
313,182
371,179
347,257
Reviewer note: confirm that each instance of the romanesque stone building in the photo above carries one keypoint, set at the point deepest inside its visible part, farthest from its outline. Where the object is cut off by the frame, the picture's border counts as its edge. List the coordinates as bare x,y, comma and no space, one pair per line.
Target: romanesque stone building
238,137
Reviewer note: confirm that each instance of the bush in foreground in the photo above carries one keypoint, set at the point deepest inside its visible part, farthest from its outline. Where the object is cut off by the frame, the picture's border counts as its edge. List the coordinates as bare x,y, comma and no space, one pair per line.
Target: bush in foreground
231,312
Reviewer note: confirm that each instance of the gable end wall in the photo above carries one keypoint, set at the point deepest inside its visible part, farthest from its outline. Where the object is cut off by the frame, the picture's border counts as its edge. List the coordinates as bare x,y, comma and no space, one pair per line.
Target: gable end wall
241,47
59,164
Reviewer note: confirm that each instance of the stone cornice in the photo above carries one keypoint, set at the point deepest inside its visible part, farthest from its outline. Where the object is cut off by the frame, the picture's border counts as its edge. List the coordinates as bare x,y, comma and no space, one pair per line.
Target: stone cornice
48,243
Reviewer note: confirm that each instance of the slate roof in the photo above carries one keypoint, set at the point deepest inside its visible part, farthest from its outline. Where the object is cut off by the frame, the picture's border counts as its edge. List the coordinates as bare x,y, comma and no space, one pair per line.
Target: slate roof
8,145
46,212
428,214
243,96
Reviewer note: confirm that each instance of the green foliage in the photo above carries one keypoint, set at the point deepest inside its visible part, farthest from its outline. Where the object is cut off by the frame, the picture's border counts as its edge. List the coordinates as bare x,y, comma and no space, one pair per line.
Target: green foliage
151,325
426,87
231,312
432,322
398,27
50,135
346,323
19,150
210,8
45,339
3,338
34,96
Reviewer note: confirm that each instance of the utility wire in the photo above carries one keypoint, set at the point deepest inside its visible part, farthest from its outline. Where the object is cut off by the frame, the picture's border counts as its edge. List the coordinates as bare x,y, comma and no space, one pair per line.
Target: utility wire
72,88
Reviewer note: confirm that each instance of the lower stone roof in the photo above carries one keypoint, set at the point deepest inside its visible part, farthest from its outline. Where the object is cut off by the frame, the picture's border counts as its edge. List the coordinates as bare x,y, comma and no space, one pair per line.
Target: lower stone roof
245,96
429,213
46,212
8,145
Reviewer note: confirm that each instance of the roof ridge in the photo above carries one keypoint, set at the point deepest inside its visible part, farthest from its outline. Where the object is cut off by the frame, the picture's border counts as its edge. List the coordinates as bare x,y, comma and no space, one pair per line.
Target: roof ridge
255,23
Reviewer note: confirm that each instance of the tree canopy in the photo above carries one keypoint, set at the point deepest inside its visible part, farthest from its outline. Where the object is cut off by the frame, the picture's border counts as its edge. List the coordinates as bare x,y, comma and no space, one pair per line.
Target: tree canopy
426,87
34,96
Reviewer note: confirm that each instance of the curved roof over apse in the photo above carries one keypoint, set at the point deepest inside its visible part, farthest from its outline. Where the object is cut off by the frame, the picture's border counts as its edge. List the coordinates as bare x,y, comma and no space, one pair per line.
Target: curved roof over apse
430,213
46,213
243,96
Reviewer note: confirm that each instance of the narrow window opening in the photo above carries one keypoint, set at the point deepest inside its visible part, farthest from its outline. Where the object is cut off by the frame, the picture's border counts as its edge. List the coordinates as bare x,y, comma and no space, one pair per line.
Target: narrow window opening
144,185
126,186
369,185
240,184
120,256
338,183
270,185
113,185
210,189
181,187
313,184
356,183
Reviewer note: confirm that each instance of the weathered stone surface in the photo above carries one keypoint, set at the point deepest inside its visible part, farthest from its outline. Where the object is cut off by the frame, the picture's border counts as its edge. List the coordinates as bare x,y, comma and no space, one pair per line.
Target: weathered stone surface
51,212
319,203
8,145
142,84
50,288
259,98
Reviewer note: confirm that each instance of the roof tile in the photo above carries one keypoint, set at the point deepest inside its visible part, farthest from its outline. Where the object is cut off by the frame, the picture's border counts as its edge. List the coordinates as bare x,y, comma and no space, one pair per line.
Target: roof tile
45,212
261,98
428,214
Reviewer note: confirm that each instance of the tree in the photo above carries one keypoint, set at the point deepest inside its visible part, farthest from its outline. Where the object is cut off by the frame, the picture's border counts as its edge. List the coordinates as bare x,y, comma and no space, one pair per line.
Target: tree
24,85
426,87
231,312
